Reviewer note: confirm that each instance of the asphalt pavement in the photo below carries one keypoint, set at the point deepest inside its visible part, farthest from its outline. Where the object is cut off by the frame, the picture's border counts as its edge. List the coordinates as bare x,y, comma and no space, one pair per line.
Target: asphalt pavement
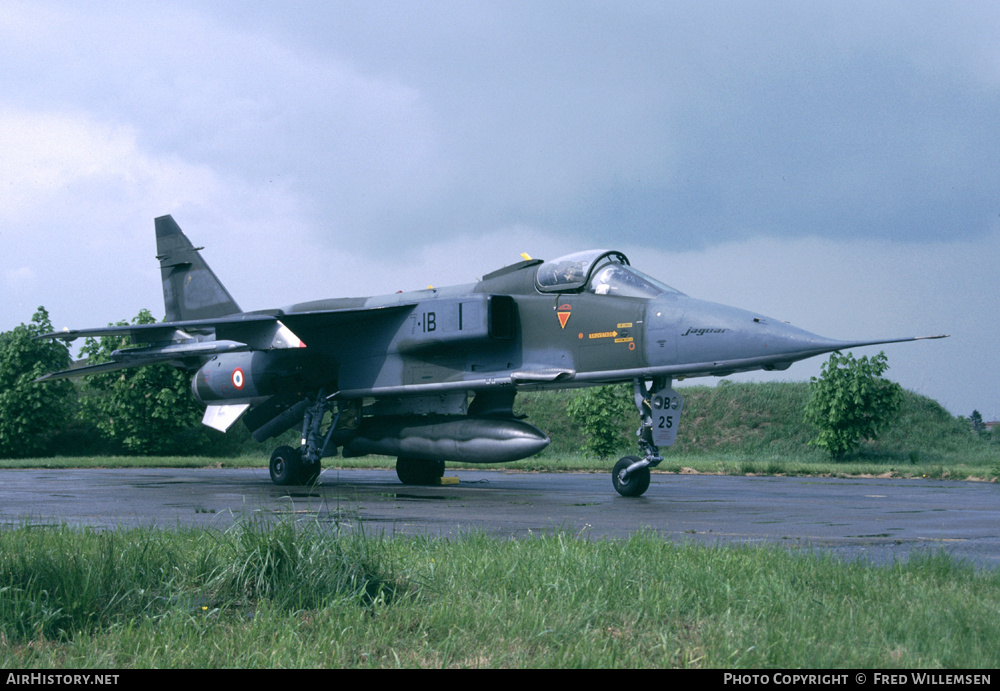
878,520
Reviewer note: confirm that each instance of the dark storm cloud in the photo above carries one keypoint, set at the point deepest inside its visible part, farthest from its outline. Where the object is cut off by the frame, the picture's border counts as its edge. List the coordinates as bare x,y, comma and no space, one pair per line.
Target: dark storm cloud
699,123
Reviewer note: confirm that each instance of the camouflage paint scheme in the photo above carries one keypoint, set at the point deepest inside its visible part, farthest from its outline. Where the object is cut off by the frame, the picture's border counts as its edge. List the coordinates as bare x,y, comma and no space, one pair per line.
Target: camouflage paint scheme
431,375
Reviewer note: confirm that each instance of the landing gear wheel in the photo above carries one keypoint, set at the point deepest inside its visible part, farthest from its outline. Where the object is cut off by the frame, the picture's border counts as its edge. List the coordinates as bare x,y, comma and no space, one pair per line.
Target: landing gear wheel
635,483
418,471
309,472
286,466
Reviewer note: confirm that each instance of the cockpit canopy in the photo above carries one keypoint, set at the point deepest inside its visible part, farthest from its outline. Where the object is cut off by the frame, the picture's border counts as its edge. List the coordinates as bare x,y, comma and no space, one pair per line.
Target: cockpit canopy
602,272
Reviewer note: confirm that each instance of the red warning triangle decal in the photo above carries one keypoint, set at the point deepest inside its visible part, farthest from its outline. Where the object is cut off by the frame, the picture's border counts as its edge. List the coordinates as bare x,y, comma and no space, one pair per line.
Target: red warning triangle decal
563,314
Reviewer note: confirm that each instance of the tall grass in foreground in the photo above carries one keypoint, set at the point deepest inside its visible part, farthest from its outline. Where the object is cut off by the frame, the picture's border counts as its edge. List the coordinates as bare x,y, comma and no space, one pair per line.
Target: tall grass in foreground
287,595
59,583
295,565
55,583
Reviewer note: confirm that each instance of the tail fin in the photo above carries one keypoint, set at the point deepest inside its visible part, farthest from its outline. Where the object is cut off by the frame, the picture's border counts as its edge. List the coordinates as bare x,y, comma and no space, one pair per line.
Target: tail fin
190,289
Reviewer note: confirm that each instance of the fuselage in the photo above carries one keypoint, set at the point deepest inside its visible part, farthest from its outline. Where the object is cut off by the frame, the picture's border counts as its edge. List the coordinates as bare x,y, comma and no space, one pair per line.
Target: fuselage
607,323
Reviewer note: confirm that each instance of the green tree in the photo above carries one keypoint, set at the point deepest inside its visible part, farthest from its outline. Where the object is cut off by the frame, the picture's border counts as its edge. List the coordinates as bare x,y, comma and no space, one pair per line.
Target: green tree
599,412
145,410
850,401
977,424
31,413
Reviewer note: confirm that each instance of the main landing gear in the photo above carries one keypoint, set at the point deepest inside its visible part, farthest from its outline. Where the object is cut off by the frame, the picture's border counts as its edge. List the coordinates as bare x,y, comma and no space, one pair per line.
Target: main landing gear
418,471
287,468
659,412
302,466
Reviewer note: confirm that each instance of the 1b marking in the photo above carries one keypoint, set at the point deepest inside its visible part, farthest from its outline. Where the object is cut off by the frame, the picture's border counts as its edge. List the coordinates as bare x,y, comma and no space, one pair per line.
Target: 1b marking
426,324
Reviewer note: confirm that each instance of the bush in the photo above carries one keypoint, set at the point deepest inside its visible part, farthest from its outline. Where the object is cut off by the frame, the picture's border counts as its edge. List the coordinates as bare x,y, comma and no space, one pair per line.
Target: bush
851,401
599,412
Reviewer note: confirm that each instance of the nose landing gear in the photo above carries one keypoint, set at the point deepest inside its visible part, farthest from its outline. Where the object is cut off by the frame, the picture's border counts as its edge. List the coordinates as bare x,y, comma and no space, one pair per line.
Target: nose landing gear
660,413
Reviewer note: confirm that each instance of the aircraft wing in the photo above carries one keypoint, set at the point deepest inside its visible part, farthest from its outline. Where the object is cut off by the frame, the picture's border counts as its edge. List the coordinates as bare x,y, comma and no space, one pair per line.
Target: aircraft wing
152,355
247,326
199,338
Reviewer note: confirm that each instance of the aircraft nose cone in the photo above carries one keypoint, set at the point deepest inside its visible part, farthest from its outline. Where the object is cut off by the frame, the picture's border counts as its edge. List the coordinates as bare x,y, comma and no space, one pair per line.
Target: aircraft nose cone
698,338
694,331
778,336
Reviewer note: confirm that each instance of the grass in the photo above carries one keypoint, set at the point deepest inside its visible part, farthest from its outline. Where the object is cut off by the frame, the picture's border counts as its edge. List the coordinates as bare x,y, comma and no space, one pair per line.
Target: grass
301,595
60,584
258,460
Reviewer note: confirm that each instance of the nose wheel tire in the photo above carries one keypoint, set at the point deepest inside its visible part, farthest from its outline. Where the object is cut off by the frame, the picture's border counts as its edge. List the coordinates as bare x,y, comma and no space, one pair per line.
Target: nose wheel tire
633,484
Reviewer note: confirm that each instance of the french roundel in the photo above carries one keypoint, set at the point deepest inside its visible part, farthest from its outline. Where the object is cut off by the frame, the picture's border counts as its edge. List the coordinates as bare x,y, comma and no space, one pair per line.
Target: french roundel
238,378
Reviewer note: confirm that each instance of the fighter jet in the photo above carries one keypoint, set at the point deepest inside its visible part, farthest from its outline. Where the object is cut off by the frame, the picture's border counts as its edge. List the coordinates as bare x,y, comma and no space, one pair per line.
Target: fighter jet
430,376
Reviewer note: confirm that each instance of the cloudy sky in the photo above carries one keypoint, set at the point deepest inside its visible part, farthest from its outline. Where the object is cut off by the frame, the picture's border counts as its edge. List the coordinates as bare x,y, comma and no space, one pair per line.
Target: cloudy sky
836,165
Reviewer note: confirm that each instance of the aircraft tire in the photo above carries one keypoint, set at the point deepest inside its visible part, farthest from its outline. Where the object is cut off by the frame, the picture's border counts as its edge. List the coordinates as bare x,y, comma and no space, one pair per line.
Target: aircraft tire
636,483
286,466
419,471
309,474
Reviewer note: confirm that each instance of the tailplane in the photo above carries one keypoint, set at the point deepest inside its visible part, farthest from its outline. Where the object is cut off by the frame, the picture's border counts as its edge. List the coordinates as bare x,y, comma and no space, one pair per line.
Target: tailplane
190,288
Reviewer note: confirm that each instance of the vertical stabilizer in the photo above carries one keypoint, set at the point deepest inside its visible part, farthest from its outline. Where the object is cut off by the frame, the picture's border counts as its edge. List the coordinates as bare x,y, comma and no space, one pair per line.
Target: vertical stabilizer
190,288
